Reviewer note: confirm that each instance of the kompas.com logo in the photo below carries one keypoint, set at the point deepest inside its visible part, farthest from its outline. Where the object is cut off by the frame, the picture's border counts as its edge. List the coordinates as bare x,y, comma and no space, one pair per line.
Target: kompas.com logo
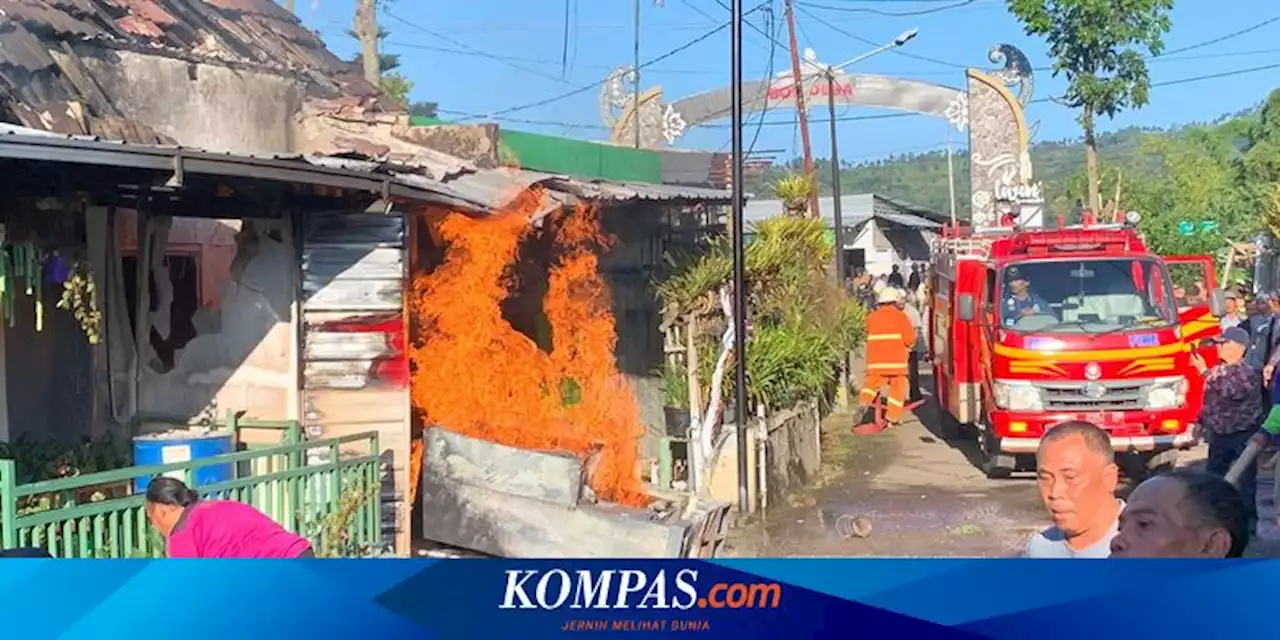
612,589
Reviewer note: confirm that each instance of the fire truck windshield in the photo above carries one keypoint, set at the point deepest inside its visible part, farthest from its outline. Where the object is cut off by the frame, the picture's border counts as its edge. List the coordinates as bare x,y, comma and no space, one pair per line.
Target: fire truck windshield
1101,295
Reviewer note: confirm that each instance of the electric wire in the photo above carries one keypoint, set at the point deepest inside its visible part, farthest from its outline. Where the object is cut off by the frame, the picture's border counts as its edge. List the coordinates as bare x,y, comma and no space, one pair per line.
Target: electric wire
600,83
955,4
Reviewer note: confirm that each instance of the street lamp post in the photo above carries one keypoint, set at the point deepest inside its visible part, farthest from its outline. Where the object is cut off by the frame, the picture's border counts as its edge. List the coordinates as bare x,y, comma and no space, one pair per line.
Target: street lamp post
739,258
837,214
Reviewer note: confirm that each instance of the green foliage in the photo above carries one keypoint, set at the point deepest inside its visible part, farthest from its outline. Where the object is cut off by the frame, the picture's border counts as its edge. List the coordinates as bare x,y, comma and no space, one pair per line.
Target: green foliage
801,323
675,385
397,88
331,536
1095,44
794,190
40,459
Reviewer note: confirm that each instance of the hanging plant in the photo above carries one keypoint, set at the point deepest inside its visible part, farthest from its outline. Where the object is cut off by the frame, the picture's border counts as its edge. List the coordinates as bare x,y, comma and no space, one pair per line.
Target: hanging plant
24,261
79,295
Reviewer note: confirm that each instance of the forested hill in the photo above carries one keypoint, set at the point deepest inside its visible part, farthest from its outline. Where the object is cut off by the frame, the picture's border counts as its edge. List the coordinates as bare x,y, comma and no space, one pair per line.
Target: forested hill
921,178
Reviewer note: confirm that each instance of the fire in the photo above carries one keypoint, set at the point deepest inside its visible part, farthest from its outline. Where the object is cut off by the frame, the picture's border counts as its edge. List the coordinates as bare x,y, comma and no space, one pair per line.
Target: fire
477,375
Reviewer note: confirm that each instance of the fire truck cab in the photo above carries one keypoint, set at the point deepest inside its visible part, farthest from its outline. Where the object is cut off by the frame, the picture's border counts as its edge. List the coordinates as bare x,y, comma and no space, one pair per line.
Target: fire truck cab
1031,328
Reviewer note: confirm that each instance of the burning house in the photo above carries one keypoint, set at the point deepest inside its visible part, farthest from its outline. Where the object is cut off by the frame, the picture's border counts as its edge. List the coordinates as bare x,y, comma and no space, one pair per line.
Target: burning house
256,223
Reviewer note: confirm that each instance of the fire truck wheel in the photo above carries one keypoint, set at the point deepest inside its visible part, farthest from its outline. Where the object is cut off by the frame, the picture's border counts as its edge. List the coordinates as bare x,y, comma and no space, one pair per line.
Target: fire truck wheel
1139,467
995,464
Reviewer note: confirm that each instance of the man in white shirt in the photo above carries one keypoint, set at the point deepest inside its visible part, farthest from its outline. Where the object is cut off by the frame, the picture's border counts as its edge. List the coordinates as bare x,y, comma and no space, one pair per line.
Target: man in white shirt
1077,474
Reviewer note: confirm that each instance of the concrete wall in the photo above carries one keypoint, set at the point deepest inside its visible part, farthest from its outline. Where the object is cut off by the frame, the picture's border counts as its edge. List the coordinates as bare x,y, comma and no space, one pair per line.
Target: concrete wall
792,457
199,105
243,357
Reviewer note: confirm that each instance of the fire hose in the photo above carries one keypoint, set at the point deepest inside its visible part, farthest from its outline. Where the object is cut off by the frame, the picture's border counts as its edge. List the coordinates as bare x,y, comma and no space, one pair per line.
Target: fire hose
1251,451
1247,457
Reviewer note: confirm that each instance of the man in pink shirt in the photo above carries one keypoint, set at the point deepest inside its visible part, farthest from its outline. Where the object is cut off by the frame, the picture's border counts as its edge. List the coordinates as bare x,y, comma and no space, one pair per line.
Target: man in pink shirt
193,528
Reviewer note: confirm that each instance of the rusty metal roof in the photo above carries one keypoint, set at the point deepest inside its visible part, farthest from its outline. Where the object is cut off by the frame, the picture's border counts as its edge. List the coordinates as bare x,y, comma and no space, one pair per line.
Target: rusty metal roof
254,32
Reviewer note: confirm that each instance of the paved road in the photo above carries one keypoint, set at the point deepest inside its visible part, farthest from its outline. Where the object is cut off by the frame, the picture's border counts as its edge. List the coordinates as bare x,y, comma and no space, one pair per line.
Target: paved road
923,497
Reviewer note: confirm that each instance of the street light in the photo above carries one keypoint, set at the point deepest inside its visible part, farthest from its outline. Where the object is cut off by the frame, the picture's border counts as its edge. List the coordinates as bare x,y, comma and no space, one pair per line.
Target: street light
739,256
830,73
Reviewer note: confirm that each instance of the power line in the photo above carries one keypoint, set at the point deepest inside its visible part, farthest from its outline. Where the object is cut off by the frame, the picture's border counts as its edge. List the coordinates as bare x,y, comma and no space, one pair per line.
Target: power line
707,72
955,4
879,116
873,43
597,84
773,26
465,46
891,116
1223,38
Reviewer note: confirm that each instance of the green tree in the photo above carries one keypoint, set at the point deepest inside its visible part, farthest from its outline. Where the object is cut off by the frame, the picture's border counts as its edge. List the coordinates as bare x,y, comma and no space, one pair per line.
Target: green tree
394,84
1096,44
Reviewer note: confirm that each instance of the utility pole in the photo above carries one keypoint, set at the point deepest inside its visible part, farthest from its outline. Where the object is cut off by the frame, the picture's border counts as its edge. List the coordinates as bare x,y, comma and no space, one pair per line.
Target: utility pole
837,220
635,109
739,259
288,4
366,29
801,110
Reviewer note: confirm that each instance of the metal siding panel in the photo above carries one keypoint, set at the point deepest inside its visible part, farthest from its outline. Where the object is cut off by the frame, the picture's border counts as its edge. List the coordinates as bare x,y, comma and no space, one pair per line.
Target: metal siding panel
343,294
356,263
321,345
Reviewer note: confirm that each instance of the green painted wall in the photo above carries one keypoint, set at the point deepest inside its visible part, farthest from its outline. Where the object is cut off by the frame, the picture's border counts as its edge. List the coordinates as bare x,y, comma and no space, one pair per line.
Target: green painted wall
577,158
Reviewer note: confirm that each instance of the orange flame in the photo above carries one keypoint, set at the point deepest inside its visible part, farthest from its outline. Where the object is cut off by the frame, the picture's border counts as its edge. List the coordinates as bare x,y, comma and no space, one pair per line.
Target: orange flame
477,375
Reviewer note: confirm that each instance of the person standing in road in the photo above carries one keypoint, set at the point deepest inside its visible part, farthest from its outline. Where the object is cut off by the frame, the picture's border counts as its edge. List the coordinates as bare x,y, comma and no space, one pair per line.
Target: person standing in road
1183,514
1273,358
913,281
908,306
1234,308
890,338
1232,409
895,277
1077,476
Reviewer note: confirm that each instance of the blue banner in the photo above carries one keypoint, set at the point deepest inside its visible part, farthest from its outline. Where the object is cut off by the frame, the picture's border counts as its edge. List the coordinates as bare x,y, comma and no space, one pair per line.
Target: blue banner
1003,599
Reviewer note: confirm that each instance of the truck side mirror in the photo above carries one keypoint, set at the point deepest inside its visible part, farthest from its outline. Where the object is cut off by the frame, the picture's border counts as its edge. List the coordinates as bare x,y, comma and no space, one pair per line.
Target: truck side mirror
966,307
1218,303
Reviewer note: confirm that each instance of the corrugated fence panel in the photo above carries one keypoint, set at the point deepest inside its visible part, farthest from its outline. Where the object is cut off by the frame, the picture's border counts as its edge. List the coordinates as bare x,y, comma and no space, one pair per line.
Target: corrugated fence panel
353,365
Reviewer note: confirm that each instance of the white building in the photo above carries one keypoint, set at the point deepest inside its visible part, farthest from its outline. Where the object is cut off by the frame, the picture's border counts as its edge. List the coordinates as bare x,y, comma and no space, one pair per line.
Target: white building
879,231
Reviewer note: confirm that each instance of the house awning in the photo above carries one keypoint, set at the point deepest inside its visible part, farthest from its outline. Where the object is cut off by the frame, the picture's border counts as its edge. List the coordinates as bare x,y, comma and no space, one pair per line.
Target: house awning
479,190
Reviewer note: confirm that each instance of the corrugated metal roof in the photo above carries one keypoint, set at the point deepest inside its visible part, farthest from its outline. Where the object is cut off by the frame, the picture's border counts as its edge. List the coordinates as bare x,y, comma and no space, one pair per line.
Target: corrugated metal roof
855,208
625,191
483,190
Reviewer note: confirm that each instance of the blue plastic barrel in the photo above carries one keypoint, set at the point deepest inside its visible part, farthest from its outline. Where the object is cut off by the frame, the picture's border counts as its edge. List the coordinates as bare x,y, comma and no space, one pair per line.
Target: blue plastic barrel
175,446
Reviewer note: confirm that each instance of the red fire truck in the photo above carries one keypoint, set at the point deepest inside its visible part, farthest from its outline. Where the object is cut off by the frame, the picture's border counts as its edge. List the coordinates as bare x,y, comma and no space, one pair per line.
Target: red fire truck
1034,327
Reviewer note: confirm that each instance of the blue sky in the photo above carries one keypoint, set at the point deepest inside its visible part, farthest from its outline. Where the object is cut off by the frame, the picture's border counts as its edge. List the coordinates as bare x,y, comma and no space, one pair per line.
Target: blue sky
482,56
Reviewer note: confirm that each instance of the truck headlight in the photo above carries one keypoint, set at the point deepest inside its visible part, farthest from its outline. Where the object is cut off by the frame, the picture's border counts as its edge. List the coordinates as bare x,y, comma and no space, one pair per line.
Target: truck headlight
1018,395
1166,393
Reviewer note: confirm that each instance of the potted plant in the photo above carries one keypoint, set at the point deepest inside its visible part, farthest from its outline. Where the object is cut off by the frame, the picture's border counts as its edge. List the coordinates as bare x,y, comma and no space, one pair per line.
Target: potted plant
675,394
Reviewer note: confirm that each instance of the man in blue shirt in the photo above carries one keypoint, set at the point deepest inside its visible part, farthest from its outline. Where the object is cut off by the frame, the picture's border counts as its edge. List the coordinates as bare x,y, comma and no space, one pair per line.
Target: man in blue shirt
1020,300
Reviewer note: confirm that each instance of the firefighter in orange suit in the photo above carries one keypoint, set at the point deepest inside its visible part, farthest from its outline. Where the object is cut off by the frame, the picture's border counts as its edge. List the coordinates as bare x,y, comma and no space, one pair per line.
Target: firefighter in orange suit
890,338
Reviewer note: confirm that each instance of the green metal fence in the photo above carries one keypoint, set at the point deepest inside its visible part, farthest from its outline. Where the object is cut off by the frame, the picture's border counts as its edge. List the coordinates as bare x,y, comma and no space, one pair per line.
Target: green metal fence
335,504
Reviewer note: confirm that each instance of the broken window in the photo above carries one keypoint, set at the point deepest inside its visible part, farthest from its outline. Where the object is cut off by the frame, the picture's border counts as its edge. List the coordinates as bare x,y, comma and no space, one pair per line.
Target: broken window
184,275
